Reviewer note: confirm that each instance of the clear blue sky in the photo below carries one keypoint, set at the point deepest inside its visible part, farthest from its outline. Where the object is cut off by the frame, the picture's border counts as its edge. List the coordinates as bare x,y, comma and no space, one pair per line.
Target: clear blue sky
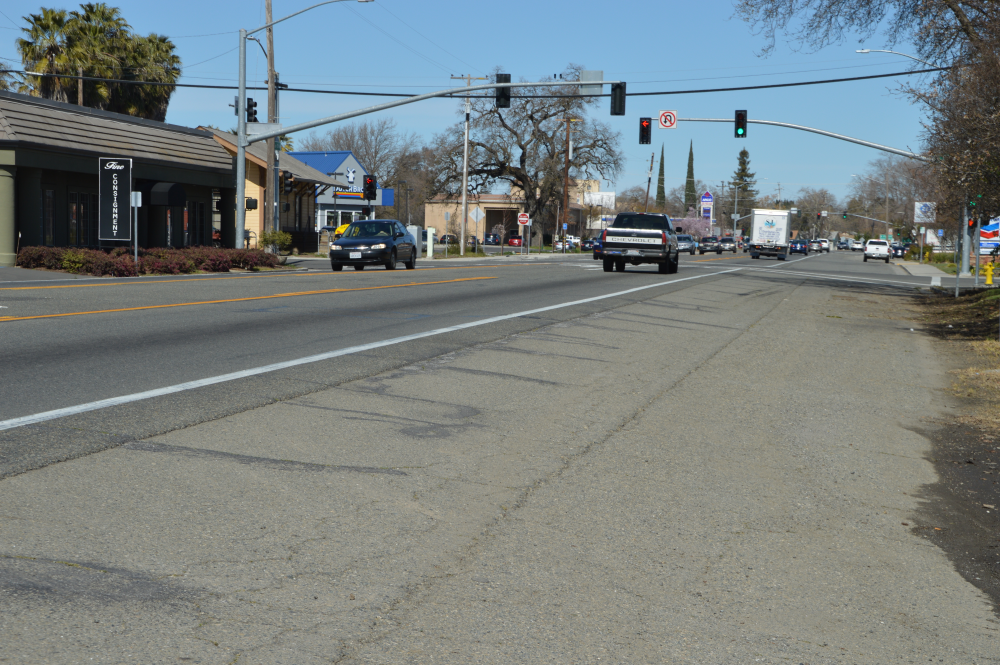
414,46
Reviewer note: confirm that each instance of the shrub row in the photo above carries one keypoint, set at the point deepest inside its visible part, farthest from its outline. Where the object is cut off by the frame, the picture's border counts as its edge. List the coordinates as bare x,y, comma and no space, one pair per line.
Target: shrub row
119,262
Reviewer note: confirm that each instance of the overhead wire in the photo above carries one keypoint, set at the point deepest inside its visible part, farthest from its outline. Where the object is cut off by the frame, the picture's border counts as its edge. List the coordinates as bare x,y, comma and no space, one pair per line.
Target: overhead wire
381,5
408,48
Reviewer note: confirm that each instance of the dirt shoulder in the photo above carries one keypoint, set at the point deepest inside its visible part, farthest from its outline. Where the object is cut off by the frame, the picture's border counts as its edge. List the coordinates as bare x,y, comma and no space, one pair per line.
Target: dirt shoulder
960,514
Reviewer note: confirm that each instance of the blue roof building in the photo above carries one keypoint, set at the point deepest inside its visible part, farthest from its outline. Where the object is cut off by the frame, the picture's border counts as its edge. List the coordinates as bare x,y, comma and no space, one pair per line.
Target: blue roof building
341,206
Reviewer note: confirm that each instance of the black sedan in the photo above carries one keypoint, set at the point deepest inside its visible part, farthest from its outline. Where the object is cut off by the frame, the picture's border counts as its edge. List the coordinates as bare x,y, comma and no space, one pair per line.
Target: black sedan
587,244
374,242
897,251
798,246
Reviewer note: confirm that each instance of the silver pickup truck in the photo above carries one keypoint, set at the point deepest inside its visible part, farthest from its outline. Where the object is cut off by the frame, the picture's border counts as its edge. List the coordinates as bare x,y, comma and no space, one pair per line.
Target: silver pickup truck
636,238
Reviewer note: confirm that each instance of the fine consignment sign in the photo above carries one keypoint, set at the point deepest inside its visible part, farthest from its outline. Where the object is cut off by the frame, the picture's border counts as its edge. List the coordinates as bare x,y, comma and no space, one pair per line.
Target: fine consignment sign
115,187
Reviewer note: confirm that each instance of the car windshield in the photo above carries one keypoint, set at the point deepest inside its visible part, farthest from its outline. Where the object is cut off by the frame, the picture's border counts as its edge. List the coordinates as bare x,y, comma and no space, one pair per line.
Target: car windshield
880,243
727,240
368,230
684,238
710,239
642,222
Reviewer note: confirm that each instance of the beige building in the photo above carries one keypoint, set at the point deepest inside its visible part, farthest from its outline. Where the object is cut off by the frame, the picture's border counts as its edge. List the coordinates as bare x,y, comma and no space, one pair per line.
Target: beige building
297,209
500,211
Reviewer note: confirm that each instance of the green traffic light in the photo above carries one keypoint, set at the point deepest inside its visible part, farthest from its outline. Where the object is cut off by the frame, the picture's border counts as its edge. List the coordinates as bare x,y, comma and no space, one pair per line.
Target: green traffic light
740,131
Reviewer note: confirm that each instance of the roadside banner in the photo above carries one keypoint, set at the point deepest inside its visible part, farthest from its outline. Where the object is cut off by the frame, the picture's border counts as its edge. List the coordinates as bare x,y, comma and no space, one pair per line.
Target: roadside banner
989,235
115,189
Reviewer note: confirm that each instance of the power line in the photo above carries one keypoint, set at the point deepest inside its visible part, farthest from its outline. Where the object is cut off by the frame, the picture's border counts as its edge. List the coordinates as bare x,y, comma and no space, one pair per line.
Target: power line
461,96
382,6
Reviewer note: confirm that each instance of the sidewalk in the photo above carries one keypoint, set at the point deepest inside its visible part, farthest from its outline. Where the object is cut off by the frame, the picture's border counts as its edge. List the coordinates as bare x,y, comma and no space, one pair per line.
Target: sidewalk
921,269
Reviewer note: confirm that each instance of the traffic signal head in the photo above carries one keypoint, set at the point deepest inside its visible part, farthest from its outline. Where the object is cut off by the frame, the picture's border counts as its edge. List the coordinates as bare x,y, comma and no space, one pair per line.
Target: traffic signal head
251,110
975,200
971,223
845,214
503,94
741,124
369,188
645,130
366,211
617,99
289,183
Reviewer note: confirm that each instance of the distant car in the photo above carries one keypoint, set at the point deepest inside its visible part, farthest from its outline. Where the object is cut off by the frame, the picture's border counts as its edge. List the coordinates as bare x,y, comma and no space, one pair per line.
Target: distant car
491,239
877,250
598,248
727,244
709,244
448,239
825,243
686,243
559,245
587,245
815,245
473,241
844,244
856,245
798,246
897,251
514,241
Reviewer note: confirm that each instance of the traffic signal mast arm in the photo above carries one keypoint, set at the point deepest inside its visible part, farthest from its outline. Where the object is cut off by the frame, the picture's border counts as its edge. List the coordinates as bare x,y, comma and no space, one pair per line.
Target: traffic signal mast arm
871,219
823,132
291,129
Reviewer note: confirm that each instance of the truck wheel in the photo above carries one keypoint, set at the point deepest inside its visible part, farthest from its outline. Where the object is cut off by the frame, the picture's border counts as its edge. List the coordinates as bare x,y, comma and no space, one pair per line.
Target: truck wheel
336,267
719,251
887,259
620,265
781,257
609,265
692,252
675,264
663,267
866,258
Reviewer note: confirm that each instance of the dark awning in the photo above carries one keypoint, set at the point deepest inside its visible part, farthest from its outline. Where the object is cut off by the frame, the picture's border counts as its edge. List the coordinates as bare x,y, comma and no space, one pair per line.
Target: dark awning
167,194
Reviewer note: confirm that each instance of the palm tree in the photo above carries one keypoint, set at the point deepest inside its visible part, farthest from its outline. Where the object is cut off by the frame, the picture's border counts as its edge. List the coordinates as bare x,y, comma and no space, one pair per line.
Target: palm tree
43,49
152,59
99,39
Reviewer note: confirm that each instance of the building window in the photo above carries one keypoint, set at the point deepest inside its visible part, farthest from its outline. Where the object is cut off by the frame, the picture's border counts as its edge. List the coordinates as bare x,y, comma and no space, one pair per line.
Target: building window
74,220
49,216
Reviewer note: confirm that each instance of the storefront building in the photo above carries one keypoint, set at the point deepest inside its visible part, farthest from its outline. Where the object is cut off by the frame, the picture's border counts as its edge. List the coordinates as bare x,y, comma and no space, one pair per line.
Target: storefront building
49,177
344,204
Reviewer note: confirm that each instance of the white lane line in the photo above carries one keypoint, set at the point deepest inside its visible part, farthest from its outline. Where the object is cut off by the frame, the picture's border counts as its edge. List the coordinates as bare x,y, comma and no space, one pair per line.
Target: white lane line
831,277
273,367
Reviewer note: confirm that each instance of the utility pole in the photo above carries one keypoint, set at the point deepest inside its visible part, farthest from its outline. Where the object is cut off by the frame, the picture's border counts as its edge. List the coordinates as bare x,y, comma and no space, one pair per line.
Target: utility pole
465,163
565,204
649,179
270,207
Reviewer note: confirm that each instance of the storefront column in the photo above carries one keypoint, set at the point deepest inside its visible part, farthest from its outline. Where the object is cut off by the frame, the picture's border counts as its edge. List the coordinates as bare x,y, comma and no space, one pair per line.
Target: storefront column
8,229
29,206
227,210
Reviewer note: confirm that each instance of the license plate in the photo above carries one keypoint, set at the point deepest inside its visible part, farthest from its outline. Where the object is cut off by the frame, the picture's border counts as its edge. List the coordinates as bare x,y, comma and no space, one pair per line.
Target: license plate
355,255
633,252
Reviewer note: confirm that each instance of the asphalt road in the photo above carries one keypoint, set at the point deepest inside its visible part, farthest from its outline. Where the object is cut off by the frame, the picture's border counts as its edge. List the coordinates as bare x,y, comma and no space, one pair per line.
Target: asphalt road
691,472
70,341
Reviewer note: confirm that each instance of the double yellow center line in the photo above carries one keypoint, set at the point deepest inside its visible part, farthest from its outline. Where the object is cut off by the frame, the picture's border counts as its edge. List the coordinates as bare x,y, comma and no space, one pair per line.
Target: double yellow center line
4,319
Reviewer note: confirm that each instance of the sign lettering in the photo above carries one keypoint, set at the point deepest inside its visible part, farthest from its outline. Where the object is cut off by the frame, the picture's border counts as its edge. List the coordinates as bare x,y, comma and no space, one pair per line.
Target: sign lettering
115,187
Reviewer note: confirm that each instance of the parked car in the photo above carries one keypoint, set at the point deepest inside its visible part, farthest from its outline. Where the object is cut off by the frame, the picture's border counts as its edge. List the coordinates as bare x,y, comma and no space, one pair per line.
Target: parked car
686,243
798,246
856,245
587,245
897,251
373,242
559,245
473,241
877,250
727,244
514,241
709,244
491,239
448,239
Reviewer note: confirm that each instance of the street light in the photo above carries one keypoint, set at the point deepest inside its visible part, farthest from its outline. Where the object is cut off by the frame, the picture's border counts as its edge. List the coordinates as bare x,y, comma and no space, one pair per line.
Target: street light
241,125
879,50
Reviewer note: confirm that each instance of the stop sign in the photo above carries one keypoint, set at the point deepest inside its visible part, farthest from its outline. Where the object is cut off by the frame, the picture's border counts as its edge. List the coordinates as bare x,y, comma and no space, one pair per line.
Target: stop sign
522,218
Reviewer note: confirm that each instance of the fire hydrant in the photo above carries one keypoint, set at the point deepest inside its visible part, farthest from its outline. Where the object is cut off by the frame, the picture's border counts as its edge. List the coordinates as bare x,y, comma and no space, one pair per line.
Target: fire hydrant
989,274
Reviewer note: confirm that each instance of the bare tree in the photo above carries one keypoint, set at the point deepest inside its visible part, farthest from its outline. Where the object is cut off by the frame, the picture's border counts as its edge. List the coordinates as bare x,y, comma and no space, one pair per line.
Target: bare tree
378,145
521,149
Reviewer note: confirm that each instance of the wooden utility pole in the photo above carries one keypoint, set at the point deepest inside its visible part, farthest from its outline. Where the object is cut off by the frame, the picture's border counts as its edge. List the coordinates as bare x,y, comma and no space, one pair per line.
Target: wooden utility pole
565,205
645,208
271,180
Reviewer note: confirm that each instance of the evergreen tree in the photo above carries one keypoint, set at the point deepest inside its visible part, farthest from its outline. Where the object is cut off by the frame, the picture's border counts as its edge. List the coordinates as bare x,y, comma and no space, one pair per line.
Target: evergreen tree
744,180
690,193
661,192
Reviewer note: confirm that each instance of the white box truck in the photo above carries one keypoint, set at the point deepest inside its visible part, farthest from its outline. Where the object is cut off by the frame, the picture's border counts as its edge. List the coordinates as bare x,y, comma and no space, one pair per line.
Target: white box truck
769,233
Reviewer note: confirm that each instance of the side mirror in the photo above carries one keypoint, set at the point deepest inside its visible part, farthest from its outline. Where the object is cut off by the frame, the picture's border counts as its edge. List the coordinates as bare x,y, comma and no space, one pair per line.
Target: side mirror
399,235
678,229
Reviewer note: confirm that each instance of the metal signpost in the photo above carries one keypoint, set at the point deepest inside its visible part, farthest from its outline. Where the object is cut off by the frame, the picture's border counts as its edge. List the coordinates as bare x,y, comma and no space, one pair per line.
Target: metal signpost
525,223
136,204
114,186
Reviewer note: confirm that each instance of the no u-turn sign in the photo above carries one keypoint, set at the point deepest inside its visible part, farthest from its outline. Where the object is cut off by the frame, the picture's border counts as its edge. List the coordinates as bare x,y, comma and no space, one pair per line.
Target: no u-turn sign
668,119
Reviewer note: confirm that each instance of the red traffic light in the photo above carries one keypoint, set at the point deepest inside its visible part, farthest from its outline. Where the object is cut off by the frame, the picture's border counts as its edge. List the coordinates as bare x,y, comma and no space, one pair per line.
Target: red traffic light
645,122
972,223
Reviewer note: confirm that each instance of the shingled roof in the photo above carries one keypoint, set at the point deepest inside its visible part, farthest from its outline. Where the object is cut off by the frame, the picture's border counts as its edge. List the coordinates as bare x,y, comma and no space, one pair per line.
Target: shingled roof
68,128
257,153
